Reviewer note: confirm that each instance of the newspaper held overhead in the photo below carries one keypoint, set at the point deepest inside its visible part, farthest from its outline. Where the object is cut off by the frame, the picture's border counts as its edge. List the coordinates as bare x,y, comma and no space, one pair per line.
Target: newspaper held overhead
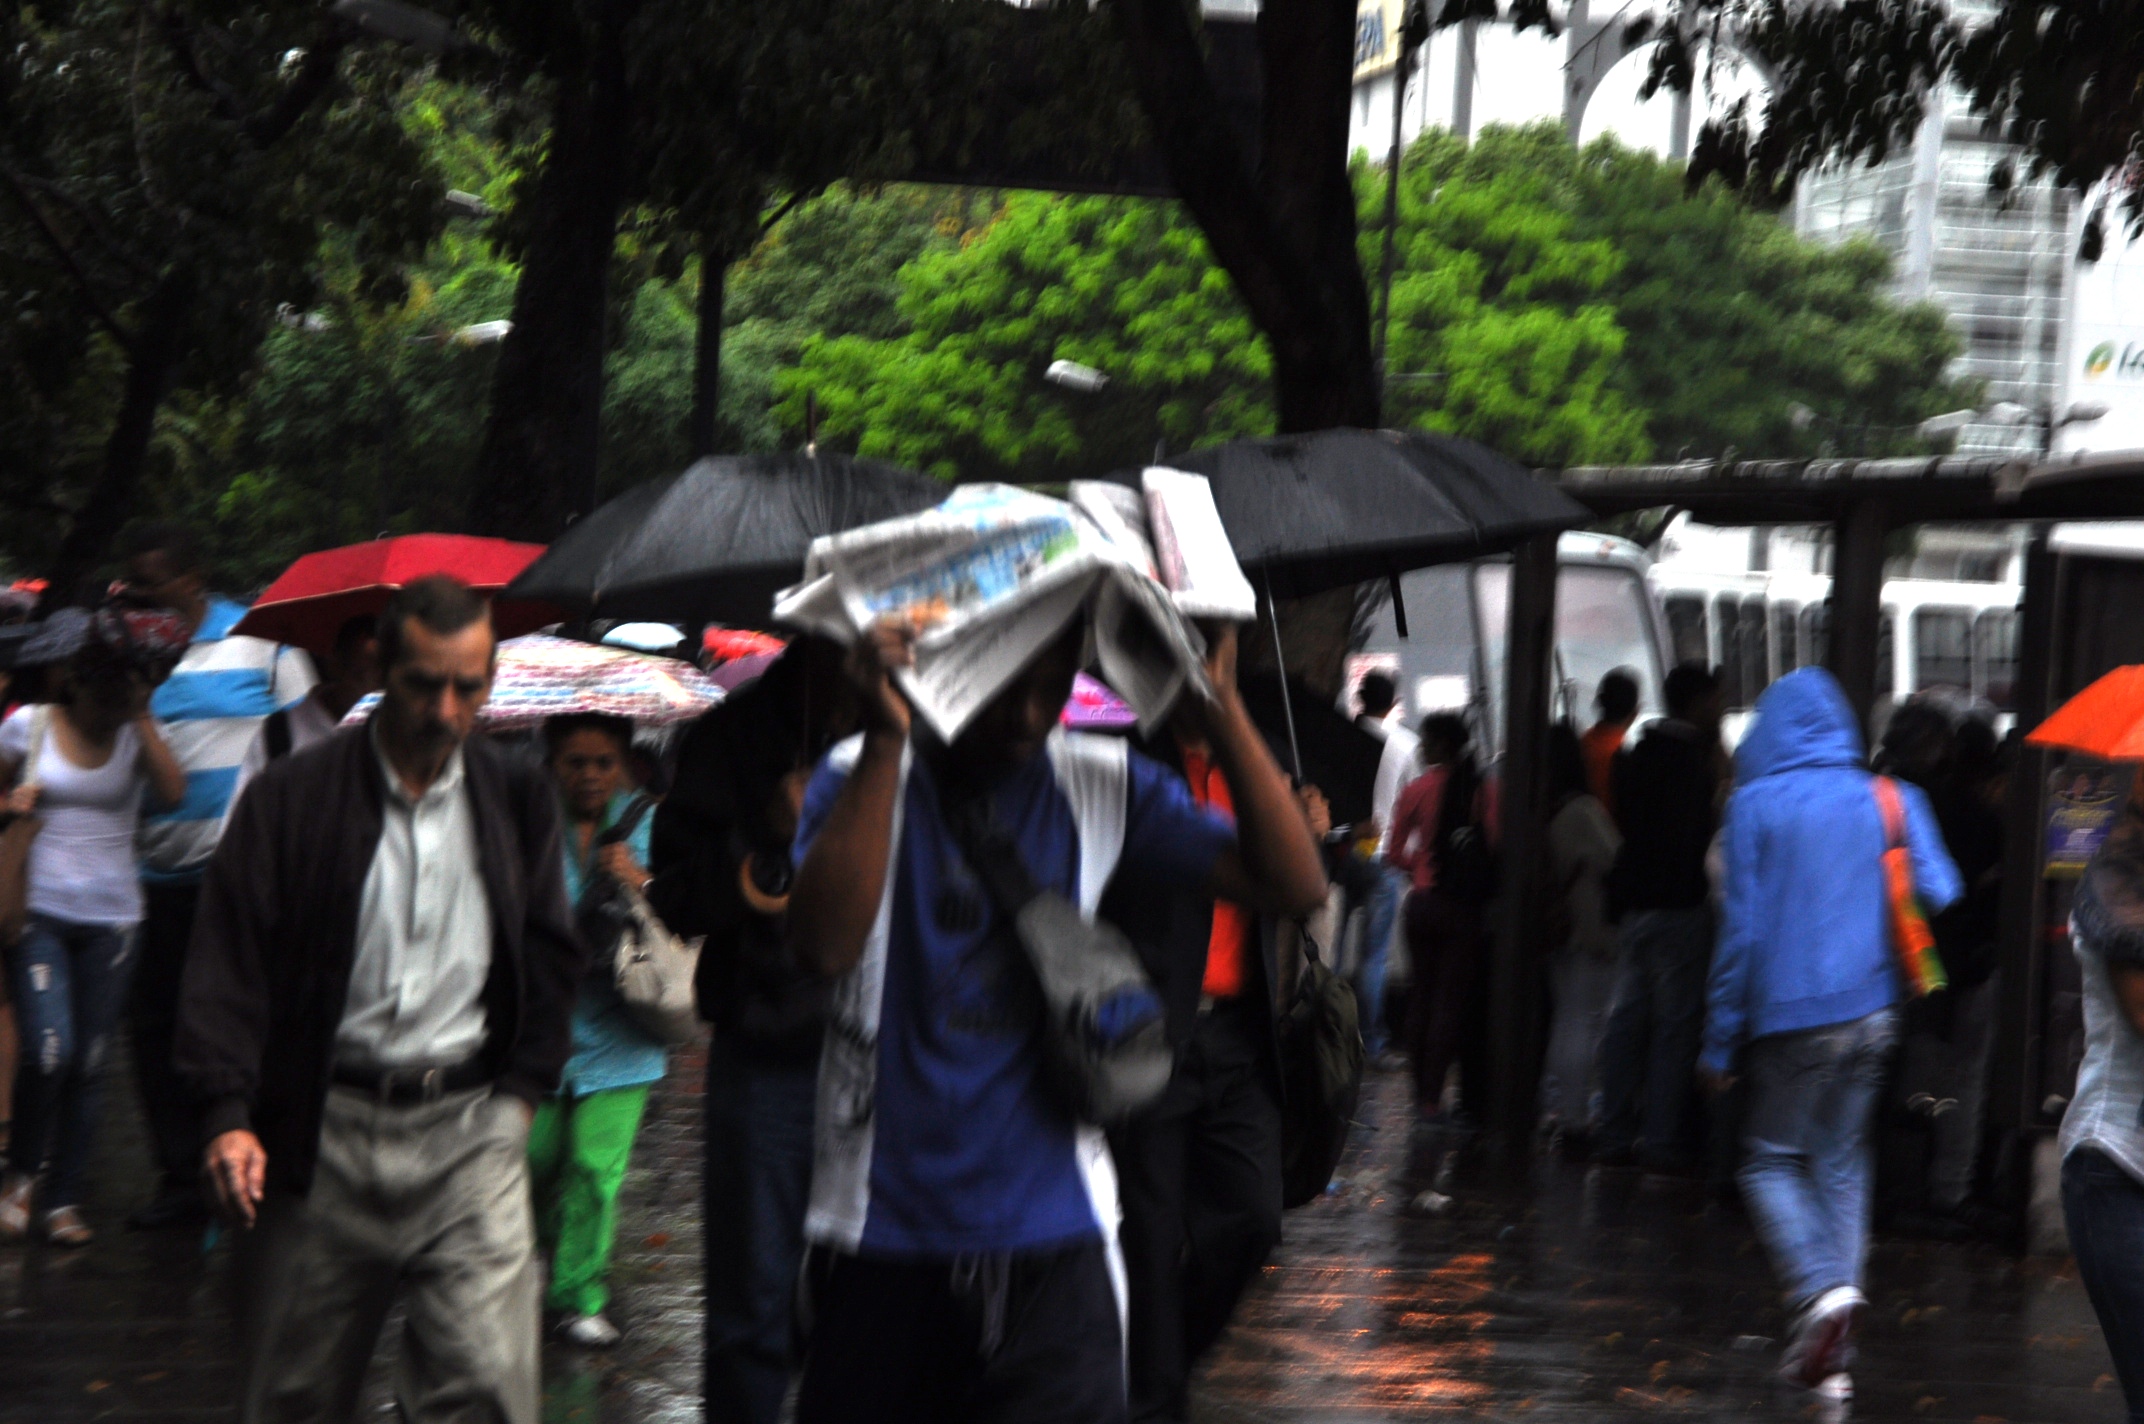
988,578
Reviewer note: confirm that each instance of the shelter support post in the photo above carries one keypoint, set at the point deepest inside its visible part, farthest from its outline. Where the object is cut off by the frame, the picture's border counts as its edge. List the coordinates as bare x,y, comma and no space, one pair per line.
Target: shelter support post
1518,962
1857,602
2020,950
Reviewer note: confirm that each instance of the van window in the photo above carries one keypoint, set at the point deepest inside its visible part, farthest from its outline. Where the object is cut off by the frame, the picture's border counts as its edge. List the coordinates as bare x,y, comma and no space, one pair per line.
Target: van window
1756,652
1943,649
1785,636
1734,684
1995,650
1603,621
1686,629
1816,634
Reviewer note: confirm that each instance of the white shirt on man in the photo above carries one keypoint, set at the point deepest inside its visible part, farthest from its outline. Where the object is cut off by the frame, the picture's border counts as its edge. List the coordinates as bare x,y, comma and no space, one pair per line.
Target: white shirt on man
1400,764
423,933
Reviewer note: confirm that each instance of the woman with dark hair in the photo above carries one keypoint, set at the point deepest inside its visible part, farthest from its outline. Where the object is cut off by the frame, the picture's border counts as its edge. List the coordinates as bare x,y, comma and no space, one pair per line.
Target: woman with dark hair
1438,839
82,765
2102,1135
1582,846
582,1139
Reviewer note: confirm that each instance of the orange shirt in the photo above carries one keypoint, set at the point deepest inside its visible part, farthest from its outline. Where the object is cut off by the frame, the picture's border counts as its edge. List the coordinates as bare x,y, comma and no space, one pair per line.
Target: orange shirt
1599,746
1231,922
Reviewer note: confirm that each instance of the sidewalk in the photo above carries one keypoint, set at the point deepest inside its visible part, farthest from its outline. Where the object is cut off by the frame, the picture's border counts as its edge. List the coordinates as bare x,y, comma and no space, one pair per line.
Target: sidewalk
1585,1298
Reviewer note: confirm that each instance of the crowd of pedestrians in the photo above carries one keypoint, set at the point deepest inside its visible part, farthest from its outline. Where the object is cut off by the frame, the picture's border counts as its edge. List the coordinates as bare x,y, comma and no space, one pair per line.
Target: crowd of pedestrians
368,974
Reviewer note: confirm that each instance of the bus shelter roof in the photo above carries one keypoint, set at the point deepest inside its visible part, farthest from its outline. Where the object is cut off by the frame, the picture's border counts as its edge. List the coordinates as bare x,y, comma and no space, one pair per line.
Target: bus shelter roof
2103,485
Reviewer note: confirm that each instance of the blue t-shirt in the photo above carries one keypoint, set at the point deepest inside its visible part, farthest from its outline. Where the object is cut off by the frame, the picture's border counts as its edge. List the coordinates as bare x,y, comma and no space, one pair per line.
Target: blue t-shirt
969,1151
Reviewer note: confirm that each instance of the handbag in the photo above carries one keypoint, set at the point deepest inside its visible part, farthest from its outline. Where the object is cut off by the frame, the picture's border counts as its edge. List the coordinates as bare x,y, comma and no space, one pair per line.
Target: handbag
1105,1048
1912,940
1321,1059
651,967
16,839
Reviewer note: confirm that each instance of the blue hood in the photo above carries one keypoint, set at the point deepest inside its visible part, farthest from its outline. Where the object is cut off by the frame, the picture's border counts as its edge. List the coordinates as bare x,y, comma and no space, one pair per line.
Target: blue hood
1802,721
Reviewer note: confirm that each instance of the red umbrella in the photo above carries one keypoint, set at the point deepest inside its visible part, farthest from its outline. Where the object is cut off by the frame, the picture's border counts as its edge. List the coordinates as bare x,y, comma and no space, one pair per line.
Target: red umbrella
308,605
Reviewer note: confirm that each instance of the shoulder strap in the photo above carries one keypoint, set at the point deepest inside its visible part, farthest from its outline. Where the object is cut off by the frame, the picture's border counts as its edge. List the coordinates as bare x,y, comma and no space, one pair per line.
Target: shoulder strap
1893,811
277,733
619,830
1094,773
33,754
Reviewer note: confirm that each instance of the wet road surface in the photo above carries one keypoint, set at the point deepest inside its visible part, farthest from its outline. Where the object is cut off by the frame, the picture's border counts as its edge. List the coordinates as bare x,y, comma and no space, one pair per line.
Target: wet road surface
1570,1296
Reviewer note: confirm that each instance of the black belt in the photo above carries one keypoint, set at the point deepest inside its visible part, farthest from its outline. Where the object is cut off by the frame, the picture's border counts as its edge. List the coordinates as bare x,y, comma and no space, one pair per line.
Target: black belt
400,1087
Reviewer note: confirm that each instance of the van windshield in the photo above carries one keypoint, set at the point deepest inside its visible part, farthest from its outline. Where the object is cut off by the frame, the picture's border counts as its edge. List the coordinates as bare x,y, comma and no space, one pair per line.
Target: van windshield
1603,621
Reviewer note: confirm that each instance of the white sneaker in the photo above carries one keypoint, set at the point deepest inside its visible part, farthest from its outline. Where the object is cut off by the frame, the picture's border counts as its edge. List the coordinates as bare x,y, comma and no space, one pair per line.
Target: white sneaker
590,1332
1822,1338
15,1208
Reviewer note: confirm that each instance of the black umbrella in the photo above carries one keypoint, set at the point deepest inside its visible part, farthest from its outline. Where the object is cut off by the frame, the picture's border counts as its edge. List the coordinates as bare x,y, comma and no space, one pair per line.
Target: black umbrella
714,543
1312,512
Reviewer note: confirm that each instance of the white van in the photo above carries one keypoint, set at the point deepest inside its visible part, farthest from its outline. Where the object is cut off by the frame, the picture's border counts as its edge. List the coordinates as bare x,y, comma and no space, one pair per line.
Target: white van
1452,658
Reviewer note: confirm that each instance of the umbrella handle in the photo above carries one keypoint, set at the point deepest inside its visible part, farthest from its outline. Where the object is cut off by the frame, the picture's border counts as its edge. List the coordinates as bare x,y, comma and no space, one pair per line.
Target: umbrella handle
1280,661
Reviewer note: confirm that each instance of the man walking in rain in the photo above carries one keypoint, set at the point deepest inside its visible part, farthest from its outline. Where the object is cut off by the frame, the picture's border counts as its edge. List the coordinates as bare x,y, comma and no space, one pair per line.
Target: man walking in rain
961,1217
376,1000
1804,990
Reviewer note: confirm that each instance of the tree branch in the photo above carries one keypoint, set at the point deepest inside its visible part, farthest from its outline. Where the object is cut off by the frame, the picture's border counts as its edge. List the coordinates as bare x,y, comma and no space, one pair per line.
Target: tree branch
67,258
95,221
313,77
176,40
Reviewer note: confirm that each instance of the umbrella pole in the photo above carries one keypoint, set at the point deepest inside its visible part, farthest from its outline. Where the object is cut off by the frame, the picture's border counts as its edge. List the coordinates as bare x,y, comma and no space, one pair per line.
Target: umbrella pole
1280,661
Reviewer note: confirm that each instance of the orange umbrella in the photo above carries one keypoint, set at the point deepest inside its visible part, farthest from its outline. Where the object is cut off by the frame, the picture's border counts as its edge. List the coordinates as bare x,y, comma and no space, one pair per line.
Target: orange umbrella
315,596
2106,720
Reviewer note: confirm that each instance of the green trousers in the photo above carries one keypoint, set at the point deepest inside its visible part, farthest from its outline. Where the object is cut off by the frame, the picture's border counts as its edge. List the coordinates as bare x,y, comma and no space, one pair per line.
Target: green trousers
578,1149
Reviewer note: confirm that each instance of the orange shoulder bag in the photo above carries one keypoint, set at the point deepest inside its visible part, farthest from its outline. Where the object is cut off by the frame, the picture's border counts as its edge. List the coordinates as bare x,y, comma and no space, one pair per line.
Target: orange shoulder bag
1911,938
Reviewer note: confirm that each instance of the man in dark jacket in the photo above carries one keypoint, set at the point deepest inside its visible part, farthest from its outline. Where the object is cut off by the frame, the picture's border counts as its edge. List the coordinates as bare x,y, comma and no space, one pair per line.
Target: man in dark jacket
1199,1172
1666,799
376,997
722,869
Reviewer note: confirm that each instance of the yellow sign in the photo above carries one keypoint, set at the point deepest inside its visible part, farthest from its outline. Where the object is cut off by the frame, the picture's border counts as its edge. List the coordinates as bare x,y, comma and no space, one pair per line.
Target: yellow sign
1377,37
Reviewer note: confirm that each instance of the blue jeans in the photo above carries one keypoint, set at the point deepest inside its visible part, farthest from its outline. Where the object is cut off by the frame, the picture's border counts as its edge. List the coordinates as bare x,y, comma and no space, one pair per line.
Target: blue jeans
1380,917
1648,1052
2104,1207
70,983
758,1184
1809,1162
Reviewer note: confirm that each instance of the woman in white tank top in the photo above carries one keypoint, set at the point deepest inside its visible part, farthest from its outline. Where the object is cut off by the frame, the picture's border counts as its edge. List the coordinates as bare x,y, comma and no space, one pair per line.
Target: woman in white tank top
82,764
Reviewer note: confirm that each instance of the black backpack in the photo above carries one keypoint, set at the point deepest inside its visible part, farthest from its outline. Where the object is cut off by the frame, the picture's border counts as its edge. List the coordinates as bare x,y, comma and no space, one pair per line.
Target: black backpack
1466,867
1321,1078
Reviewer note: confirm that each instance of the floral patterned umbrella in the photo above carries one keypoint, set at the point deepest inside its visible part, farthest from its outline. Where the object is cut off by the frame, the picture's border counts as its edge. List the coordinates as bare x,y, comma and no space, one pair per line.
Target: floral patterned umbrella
541,676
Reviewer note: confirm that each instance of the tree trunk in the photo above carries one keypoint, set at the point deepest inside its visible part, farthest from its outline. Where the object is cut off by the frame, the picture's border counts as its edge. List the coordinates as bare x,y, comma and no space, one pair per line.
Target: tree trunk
1286,236
159,342
707,350
538,463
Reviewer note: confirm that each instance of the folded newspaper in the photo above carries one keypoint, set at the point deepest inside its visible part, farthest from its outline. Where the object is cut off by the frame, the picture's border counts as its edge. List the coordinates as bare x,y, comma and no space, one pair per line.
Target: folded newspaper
992,575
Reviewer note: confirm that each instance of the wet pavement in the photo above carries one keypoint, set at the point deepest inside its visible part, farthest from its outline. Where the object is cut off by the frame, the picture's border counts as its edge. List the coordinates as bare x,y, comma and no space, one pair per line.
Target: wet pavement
1571,1295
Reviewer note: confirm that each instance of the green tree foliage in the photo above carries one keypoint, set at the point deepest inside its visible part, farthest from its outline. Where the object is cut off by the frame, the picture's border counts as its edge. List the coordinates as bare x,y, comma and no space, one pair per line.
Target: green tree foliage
1503,327
168,177
1727,319
1122,285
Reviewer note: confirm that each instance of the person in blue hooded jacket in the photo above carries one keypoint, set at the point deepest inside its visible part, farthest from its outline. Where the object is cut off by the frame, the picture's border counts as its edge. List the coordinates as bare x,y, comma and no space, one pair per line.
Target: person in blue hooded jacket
1805,987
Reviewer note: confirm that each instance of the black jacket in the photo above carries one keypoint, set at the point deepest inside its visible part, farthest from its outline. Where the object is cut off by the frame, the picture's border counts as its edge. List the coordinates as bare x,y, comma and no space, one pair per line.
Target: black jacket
268,970
760,1001
1665,794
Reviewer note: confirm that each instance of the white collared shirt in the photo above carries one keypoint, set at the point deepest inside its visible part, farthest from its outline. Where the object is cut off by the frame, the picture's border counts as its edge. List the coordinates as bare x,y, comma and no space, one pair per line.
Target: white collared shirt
423,933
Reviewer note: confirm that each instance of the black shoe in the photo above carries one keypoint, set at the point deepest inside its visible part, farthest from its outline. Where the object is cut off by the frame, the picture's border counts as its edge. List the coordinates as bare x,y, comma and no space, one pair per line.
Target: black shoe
1614,1158
170,1207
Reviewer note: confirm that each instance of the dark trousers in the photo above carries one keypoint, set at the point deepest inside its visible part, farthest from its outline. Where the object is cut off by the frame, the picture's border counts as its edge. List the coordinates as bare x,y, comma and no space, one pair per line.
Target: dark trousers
757,1182
2104,1207
1444,942
1016,1338
70,980
1200,1180
1649,1052
153,1012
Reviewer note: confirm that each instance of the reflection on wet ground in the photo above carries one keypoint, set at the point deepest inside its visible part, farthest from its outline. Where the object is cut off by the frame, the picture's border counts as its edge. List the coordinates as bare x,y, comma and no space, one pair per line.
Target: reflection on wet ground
1574,1295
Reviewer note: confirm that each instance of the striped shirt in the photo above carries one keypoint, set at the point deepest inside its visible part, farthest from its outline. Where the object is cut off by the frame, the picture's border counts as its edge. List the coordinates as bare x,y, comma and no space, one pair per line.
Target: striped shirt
211,709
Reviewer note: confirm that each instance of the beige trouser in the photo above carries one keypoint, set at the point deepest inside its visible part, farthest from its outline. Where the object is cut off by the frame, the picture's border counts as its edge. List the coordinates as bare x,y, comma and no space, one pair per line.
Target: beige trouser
430,1202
